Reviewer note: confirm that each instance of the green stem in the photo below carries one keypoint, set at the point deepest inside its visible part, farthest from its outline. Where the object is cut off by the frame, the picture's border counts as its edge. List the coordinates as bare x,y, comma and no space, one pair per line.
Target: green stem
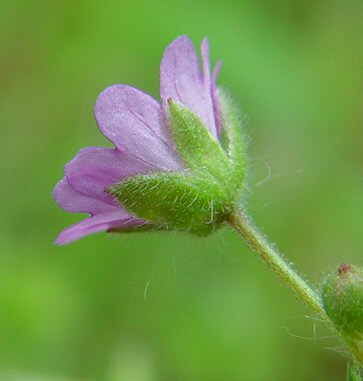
256,241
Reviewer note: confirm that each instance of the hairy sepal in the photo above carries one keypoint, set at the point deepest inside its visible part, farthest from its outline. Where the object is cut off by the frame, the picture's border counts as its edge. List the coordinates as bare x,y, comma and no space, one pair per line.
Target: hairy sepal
202,153
175,201
233,138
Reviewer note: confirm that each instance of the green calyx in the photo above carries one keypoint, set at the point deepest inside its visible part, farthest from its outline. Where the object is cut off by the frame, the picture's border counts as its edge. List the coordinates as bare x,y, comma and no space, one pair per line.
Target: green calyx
175,201
202,196
343,302
232,138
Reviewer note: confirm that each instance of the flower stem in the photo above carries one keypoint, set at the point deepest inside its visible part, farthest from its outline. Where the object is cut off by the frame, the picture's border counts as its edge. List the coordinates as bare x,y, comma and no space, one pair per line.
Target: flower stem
257,242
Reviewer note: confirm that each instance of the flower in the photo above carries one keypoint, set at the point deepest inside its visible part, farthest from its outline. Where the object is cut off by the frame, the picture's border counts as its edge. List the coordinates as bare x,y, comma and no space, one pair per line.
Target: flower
170,151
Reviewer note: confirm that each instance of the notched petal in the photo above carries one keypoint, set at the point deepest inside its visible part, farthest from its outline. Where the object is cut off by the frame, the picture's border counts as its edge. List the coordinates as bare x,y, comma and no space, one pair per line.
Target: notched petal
96,168
72,201
134,122
181,79
102,222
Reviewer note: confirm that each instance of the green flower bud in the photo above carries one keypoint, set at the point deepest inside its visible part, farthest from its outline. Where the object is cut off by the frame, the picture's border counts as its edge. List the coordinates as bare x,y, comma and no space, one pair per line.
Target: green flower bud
343,301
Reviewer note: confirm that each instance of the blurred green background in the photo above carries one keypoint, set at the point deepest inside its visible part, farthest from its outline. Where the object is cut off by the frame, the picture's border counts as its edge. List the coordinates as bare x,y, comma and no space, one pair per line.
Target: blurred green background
171,307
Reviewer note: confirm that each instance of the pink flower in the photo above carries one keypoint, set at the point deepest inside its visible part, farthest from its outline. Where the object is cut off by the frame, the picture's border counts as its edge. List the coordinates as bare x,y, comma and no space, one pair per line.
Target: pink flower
137,125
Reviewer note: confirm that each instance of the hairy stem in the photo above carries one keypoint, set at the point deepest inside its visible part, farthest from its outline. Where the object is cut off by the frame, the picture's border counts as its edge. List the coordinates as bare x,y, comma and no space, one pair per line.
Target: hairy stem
257,242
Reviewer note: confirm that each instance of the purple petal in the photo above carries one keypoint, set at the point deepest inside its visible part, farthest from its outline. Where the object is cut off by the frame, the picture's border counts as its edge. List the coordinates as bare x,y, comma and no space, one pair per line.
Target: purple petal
216,108
94,169
206,65
133,121
181,79
72,201
104,216
106,221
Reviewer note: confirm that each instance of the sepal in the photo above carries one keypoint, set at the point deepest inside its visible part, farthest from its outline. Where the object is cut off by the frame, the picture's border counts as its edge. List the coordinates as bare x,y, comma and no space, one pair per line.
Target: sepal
175,201
198,148
233,137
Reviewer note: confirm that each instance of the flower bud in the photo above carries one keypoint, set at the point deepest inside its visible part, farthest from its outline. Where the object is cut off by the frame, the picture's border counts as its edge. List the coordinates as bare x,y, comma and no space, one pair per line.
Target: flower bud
343,301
